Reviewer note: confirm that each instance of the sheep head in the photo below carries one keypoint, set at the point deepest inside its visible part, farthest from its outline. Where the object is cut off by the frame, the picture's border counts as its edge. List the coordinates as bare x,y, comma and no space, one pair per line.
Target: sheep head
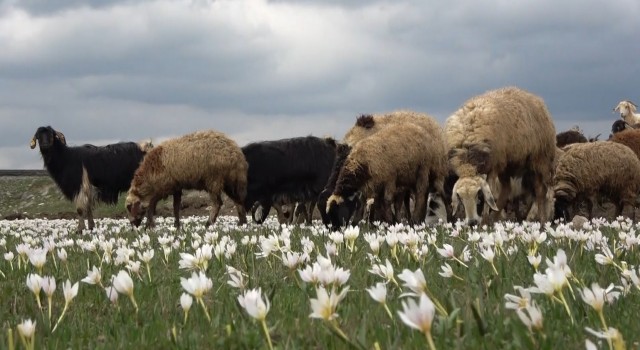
136,208
626,109
47,137
473,192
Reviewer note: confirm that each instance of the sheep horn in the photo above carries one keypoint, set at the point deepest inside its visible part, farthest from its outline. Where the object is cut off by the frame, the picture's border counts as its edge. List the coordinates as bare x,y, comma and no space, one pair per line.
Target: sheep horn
60,136
33,142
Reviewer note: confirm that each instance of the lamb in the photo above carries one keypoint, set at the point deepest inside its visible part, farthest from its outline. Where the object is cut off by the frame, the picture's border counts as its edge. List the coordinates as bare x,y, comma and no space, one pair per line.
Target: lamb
203,160
404,155
604,168
627,112
500,134
86,174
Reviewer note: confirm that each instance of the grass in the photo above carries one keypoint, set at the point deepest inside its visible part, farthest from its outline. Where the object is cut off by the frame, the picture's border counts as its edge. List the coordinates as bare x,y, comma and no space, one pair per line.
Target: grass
476,316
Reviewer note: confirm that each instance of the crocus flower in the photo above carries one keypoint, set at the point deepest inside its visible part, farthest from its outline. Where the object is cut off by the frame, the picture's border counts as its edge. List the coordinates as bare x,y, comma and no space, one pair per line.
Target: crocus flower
124,285
379,294
26,330
419,316
94,276
185,302
70,292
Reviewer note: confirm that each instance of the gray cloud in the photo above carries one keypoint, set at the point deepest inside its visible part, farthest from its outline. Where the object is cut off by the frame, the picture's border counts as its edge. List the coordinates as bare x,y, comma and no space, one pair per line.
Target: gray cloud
116,70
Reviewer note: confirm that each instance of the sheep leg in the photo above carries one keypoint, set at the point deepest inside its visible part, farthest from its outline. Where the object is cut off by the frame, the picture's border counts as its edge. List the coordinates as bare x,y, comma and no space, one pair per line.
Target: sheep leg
540,189
177,200
81,226
89,215
312,206
503,197
389,193
215,208
422,192
151,212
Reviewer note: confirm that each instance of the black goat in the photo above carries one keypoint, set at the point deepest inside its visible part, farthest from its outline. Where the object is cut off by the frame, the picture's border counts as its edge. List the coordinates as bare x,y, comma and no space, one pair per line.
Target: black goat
88,173
294,169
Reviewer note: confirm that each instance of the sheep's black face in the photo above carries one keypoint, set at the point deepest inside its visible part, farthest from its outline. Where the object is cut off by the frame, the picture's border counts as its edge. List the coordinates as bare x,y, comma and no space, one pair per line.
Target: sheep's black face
45,137
561,209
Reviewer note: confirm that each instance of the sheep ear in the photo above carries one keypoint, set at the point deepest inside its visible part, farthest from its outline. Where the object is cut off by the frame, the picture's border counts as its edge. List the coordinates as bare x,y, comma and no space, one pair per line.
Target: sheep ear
60,136
488,197
34,140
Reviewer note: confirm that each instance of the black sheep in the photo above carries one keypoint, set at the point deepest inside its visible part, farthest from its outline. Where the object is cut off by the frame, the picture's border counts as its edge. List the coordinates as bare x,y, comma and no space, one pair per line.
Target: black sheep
88,173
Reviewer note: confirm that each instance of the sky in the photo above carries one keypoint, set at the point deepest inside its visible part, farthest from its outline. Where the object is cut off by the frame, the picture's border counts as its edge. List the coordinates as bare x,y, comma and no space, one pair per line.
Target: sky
103,71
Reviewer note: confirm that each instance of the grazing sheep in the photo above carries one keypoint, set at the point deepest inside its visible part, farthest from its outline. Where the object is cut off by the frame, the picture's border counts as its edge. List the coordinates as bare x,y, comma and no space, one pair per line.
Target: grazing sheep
366,126
289,170
88,173
403,156
629,138
597,169
627,109
203,160
500,134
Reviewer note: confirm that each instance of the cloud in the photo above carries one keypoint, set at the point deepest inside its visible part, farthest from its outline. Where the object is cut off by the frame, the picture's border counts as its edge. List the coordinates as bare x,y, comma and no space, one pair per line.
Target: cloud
119,70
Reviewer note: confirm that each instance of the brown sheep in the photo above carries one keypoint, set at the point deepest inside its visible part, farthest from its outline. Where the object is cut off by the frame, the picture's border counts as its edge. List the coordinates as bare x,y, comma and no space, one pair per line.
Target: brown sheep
400,156
588,170
367,125
629,138
500,134
203,160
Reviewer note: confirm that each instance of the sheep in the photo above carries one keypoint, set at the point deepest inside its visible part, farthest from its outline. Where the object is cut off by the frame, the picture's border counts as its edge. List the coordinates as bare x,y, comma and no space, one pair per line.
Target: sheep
86,174
629,138
404,155
627,109
203,160
620,125
574,135
367,125
603,168
500,134
288,170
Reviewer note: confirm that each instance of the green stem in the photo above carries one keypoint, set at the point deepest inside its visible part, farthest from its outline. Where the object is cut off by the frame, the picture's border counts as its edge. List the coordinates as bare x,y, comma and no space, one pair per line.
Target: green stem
566,306
49,303
60,318
204,307
148,272
432,346
266,333
133,301
604,323
10,344
386,308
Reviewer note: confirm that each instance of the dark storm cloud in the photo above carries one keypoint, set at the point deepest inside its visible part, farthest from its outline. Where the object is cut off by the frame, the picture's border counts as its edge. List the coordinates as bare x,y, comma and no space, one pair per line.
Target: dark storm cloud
115,70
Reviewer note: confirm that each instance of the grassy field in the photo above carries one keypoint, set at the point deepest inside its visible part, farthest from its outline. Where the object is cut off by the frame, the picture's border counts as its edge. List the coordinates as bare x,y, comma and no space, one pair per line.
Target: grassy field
470,310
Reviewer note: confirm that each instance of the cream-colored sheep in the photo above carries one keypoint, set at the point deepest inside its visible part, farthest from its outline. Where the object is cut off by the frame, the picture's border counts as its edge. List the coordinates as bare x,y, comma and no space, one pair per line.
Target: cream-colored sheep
627,112
203,160
593,170
500,134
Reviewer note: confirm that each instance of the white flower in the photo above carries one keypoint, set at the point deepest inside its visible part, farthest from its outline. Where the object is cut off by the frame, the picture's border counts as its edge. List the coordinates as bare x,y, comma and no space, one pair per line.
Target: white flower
447,271
147,255
291,259
252,302
446,251
606,258
418,316
27,328
94,276
534,260
378,292
385,271
487,254
34,283
197,285
325,305
236,278
37,257
8,256
48,285
534,318
515,302
414,280
70,291
185,302
62,254
123,283
112,294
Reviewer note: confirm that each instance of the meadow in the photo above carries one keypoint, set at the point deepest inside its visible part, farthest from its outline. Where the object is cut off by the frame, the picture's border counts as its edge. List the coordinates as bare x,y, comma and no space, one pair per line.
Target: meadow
511,286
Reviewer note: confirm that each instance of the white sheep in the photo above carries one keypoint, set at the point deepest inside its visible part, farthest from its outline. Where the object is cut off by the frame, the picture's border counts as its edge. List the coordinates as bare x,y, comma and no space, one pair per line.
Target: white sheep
500,134
627,112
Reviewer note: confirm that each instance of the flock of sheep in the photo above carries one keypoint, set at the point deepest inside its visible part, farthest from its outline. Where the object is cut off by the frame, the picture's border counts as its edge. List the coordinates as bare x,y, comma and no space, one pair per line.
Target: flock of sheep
497,153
